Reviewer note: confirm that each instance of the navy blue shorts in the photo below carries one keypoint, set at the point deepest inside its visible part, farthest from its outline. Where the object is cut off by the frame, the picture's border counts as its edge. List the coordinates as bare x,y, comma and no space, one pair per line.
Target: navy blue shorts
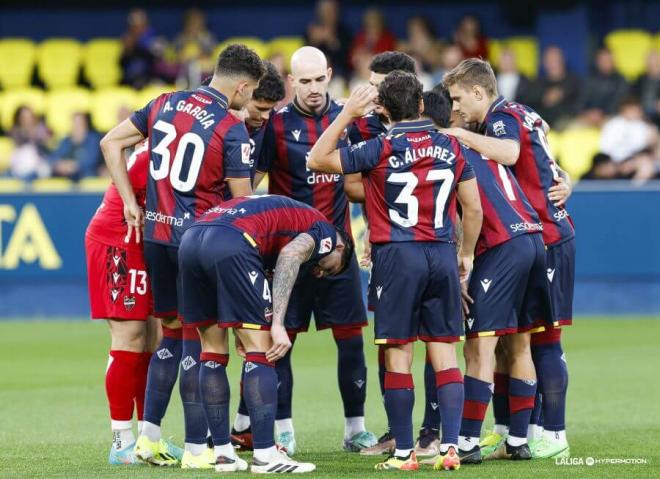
415,293
561,277
163,269
335,301
509,288
223,280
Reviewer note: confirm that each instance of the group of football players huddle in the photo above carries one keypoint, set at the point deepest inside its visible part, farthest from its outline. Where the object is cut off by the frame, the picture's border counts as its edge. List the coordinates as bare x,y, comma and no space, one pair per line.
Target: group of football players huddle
468,238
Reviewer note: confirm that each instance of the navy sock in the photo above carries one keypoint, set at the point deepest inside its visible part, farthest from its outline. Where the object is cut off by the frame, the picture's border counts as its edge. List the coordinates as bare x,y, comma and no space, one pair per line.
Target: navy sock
260,391
535,417
381,370
284,386
431,410
477,397
450,402
242,408
521,403
194,418
163,369
399,402
501,399
553,382
214,388
351,370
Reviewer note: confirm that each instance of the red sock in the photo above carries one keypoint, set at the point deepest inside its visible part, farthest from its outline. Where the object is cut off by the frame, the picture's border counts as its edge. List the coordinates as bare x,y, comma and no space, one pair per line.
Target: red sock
141,384
120,380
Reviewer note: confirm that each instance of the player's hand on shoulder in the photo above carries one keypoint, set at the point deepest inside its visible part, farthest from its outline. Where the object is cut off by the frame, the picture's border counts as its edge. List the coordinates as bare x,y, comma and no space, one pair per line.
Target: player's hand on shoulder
361,101
281,343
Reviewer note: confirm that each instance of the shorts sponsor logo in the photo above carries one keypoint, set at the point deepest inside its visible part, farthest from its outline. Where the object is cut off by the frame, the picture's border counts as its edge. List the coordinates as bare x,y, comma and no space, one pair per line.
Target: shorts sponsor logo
563,357
515,227
551,274
129,302
253,277
187,363
326,245
249,366
379,290
434,405
159,217
164,353
485,284
470,322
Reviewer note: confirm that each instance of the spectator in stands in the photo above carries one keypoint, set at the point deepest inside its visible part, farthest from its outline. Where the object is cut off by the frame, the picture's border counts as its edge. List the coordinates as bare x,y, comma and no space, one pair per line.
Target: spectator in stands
450,57
603,90
421,43
647,88
602,168
328,34
555,94
512,85
78,155
137,59
469,38
374,37
28,160
627,134
194,48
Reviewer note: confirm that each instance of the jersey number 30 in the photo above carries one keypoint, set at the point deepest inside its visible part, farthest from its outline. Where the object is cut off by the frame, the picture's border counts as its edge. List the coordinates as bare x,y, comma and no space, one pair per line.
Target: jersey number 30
174,171
407,196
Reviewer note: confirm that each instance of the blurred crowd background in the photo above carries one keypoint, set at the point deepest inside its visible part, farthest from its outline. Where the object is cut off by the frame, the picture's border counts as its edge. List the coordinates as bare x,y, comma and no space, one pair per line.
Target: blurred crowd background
59,95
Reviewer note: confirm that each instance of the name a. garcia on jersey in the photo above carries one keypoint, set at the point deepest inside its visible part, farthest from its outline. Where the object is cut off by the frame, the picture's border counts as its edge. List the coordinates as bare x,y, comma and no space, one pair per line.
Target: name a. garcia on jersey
415,154
197,112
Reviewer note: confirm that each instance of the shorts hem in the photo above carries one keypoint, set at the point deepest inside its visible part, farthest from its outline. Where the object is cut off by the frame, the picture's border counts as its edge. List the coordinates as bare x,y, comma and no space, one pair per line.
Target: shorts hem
442,339
168,314
117,318
200,323
496,332
342,326
240,325
562,322
395,340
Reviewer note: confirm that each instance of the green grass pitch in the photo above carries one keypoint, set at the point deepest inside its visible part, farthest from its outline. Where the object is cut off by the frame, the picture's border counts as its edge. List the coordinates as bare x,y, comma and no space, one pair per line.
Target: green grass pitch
54,419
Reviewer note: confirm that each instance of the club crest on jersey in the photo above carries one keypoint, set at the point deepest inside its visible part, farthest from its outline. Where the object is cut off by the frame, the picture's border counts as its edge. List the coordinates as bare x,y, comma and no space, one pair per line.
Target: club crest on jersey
326,245
485,284
498,128
129,302
296,134
245,153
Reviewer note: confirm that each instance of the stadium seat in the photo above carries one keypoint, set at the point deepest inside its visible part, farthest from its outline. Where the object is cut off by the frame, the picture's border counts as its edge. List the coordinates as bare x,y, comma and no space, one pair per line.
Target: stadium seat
526,50
554,141
11,185
94,184
577,149
6,147
656,42
101,62
148,93
495,48
12,99
630,49
106,105
61,104
286,46
58,62
254,43
52,184
17,56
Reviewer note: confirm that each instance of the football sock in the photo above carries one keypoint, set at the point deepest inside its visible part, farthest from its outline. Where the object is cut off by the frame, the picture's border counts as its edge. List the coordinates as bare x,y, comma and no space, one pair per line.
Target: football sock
284,425
260,392
214,388
122,435
402,452
351,370
151,430
241,422
555,436
535,417
120,383
265,455
521,402
194,448
399,402
553,382
225,449
242,408
501,399
352,426
534,432
449,383
431,411
163,370
381,370
193,411
477,397
141,385
285,383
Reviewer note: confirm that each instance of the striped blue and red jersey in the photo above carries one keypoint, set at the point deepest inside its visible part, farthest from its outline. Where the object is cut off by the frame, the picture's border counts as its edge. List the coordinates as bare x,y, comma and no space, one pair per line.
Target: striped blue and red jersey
410,178
195,145
535,170
367,127
272,221
256,142
507,211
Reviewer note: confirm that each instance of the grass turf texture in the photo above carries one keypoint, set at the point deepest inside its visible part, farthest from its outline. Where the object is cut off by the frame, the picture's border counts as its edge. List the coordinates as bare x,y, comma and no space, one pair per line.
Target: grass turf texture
54,419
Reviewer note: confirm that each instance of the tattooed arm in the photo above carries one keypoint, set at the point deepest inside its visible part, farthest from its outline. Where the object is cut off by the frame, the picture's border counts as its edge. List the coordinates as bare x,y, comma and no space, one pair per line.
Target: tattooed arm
286,271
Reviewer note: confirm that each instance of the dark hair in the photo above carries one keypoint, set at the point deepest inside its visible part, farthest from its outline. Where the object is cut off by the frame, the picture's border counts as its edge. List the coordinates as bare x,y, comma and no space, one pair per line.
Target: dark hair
437,107
387,62
400,93
349,247
207,81
239,60
271,85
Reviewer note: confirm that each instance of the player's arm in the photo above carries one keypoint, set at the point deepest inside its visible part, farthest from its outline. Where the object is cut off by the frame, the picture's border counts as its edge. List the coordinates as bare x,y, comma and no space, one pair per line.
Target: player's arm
237,161
504,151
124,135
294,254
239,187
472,217
562,189
258,178
325,155
354,188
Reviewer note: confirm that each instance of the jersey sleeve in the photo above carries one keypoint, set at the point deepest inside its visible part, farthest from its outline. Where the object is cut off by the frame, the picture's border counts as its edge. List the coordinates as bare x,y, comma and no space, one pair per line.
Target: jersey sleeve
503,126
267,153
236,152
140,118
325,239
362,156
364,128
467,172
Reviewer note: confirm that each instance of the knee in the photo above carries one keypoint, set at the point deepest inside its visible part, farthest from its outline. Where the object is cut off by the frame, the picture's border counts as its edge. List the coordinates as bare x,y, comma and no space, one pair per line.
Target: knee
129,337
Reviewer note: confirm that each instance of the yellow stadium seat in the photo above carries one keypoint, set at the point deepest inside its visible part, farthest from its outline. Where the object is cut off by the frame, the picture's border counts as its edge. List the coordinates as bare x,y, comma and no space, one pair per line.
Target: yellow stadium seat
94,184
106,105
58,62
148,93
6,147
12,99
526,50
61,104
256,44
17,56
554,141
286,46
656,42
11,185
577,149
52,184
101,62
495,48
630,49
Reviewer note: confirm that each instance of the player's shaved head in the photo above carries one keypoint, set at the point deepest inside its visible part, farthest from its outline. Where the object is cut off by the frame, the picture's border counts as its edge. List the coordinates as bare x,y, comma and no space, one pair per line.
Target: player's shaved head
309,78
